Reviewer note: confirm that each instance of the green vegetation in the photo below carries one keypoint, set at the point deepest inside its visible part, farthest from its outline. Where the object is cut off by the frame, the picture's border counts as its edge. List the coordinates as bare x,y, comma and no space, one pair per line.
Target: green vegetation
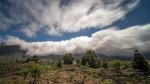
59,64
115,64
88,70
33,69
34,58
105,65
78,62
139,62
68,58
90,59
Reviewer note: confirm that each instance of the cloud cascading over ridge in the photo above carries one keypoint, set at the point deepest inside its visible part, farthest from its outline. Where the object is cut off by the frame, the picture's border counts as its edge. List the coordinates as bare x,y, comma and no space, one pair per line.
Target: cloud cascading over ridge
55,17
111,41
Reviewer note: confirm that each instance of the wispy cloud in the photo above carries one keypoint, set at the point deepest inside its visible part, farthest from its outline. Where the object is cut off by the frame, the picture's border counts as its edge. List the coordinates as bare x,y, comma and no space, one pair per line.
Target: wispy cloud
111,41
55,17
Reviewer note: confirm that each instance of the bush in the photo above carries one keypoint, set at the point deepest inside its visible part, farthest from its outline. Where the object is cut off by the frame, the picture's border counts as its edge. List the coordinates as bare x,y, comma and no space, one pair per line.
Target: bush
33,69
115,64
34,58
109,81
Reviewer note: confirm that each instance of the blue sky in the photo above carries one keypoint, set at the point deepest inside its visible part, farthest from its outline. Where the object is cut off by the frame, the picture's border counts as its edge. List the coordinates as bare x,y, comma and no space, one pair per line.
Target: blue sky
139,15
69,21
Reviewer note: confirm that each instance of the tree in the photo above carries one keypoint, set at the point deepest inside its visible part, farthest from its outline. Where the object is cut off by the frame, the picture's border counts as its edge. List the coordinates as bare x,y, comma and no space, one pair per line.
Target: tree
68,58
59,64
78,61
90,58
139,62
105,65
83,61
35,58
99,63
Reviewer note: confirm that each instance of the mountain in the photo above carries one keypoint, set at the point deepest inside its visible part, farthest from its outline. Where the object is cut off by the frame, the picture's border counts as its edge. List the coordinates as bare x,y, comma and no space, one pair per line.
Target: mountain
9,49
9,53
13,52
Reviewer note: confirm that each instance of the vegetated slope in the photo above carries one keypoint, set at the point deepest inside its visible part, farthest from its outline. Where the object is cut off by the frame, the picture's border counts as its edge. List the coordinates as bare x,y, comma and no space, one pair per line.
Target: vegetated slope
10,53
9,50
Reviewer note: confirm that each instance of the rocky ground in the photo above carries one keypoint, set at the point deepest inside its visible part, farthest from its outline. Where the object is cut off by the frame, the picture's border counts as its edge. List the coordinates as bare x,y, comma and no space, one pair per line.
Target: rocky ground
70,74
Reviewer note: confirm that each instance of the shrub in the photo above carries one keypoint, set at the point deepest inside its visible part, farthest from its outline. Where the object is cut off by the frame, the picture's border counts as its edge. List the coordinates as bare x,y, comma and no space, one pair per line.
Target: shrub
33,69
109,81
34,58
115,63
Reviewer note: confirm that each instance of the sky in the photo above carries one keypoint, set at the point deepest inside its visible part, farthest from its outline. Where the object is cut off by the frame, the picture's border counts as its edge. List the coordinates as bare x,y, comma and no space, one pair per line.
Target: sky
43,27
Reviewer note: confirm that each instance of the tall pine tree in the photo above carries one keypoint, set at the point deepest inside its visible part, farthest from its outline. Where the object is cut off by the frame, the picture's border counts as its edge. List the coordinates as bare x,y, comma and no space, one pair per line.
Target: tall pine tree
59,64
105,65
68,58
91,59
78,61
139,62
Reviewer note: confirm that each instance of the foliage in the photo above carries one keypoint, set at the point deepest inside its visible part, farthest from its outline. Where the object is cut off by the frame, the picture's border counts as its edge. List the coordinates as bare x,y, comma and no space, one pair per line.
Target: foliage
87,65
90,58
105,65
33,69
59,64
116,63
139,62
78,62
72,75
34,58
109,81
83,61
68,58
9,68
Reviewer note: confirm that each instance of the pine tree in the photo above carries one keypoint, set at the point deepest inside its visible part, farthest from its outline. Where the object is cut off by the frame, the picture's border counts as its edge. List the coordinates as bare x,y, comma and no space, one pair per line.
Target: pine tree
105,65
83,61
35,58
90,58
68,58
139,62
78,61
59,64
99,63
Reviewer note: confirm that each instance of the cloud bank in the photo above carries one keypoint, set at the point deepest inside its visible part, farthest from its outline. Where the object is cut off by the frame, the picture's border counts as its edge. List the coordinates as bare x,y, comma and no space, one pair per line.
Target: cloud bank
111,41
55,17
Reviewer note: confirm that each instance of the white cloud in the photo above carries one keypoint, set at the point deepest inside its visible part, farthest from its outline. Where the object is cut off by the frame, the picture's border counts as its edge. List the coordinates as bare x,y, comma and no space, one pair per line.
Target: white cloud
72,16
111,41
31,30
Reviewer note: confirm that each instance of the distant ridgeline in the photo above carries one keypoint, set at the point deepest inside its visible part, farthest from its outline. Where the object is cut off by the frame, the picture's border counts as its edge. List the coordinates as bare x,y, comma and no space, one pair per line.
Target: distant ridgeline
14,52
9,50
10,53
